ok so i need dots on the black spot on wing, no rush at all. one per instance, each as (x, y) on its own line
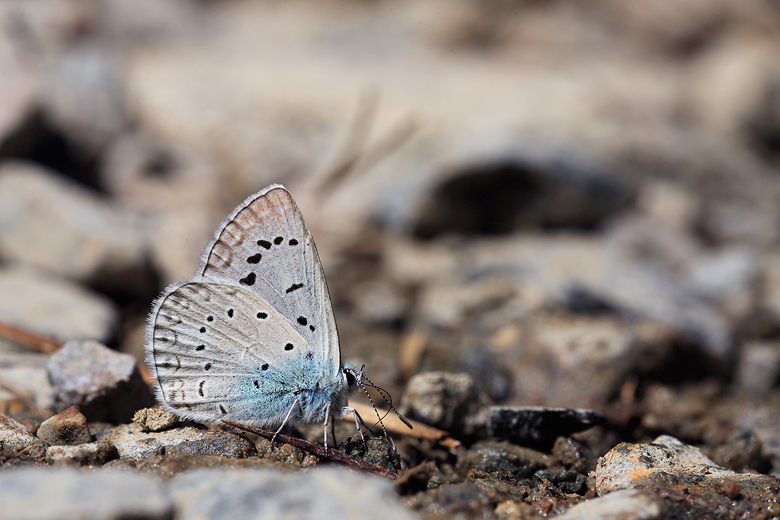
(264, 367)
(200, 388)
(230, 313)
(289, 346)
(222, 409)
(311, 328)
(302, 320)
(278, 240)
(202, 330)
(207, 366)
(200, 347)
(249, 279)
(294, 287)
(254, 258)
(264, 243)
(257, 385)
(262, 315)
(293, 242)
(210, 318)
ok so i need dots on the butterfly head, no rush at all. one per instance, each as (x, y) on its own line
(354, 376)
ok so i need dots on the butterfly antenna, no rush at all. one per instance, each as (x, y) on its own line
(389, 400)
(387, 436)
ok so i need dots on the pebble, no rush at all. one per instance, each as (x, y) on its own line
(323, 493)
(690, 483)
(17, 444)
(67, 428)
(133, 443)
(503, 457)
(154, 419)
(65, 493)
(627, 504)
(539, 426)
(89, 454)
(51, 306)
(445, 400)
(23, 374)
(104, 383)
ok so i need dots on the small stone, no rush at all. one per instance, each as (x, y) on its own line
(691, 484)
(504, 458)
(375, 450)
(444, 400)
(324, 493)
(104, 383)
(67, 428)
(628, 504)
(59, 493)
(17, 444)
(539, 426)
(133, 443)
(90, 454)
(154, 419)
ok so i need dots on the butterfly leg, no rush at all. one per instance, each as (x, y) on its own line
(358, 419)
(325, 426)
(284, 423)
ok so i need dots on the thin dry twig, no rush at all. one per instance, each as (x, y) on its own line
(317, 450)
(29, 339)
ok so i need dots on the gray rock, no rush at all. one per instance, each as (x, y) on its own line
(53, 307)
(503, 457)
(23, 374)
(628, 504)
(539, 426)
(445, 400)
(689, 482)
(322, 493)
(104, 383)
(69, 427)
(64, 493)
(154, 419)
(70, 231)
(17, 444)
(90, 454)
(758, 368)
(728, 278)
(134, 443)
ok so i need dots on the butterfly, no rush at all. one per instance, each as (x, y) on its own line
(251, 336)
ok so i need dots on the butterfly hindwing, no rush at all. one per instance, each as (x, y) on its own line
(266, 247)
(221, 352)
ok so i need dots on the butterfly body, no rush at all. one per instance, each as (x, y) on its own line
(251, 336)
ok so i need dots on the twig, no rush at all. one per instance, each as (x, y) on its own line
(317, 450)
(29, 339)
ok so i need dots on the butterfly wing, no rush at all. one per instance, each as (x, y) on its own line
(265, 246)
(218, 351)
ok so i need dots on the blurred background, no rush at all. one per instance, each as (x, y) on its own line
(576, 204)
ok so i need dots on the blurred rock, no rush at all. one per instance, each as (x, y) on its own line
(89, 454)
(84, 96)
(690, 483)
(447, 401)
(53, 307)
(503, 457)
(324, 493)
(627, 504)
(69, 427)
(54, 224)
(741, 452)
(728, 278)
(133, 443)
(105, 384)
(758, 368)
(17, 444)
(58, 493)
(19, 86)
(23, 375)
(154, 419)
(771, 285)
(539, 426)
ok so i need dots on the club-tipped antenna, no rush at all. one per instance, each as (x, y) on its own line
(389, 400)
(387, 436)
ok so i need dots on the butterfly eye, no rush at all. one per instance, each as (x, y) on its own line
(350, 377)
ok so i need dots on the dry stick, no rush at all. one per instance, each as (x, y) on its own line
(29, 339)
(317, 450)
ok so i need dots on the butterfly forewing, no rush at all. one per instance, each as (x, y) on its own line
(219, 351)
(266, 247)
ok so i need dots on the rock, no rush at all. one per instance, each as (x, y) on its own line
(154, 419)
(539, 426)
(758, 368)
(24, 376)
(742, 452)
(53, 307)
(17, 444)
(133, 443)
(67, 428)
(503, 458)
(323, 493)
(729, 278)
(89, 454)
(104, 383)
(444, 400)
(627, 504)
(83, 96)
(93, 241)
(374, 450)
(690, 483)
(58, 493)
